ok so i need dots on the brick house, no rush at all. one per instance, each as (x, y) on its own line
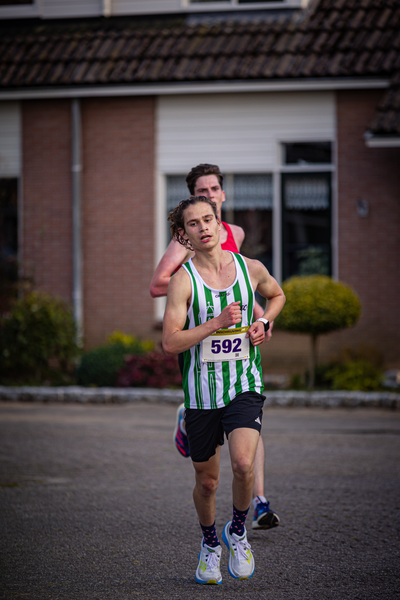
(104, 110)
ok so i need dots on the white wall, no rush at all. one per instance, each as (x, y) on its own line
(10, 135)
(238, 132)
(121, 7)
(71, 8)
(50, 9)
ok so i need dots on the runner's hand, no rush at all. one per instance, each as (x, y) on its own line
(256, 333)
(231, 315)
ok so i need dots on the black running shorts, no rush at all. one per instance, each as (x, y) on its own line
(205, 428)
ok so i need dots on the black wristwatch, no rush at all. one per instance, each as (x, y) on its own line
(266, 323)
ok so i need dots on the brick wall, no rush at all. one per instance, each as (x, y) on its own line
(118, 216)
(369, 248)
(117, 209)
(46, 195)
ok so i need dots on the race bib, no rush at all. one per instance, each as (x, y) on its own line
(226, 344)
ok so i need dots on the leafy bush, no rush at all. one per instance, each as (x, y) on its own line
(316, 305)
(38, 339)
(354, 375)
(130, 341)
(357, 369)
(100, 366)
(154, 369)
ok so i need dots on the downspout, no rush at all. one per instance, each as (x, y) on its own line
(76, 168)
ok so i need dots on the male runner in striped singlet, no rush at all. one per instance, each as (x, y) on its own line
(209, 317)
(207, 180)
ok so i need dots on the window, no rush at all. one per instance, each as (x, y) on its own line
(248, 204)
(302, 154)
(306, 211)
(177, 190)
(14, 2)
(8, 240)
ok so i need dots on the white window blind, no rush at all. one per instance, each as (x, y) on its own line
(307, 194)
(252, 192)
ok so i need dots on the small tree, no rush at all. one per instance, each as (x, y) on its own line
(316, 305)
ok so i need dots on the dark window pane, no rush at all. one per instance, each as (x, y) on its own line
(257, 225)
(315, 153)
(249, 206)
(306, 224)
(8, 240)
(14, 2)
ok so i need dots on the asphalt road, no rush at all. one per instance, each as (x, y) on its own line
(95, 503)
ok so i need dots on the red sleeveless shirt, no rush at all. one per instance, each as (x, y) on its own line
(230, 243)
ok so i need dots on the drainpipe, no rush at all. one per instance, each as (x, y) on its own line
(77, 293)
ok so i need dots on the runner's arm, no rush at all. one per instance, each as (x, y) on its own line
(174, 256)
(269, 289)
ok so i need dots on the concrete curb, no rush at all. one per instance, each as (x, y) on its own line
(288, 398)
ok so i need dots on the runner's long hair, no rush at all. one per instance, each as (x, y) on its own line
(177, 226)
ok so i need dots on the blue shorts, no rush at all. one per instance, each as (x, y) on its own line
(206, 428)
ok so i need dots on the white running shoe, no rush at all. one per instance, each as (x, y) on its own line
(241, 559)
(208, 570)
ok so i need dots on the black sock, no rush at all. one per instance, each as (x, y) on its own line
(238, 520)
(210, 535)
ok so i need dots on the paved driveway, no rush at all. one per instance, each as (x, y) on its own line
(95, 503)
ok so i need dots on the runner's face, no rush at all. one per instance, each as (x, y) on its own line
(208, 186)
(201, 226)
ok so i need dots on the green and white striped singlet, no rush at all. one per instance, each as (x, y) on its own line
(214, 384)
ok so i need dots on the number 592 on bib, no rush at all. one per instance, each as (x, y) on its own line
(226, 344)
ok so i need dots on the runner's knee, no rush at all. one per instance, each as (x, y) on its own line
(207, 484)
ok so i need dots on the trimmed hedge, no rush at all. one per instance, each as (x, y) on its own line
(317, 304)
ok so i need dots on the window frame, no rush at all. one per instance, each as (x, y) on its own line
(309, 168)
(285, 254)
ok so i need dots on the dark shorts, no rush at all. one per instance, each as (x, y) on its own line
(205, 428)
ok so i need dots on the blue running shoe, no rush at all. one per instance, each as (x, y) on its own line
(264, 517)
(180, 438)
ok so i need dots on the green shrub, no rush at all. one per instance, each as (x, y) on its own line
(355, 375)
(38, 339)
(317, 305)
(352, 370)
(100, 366)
